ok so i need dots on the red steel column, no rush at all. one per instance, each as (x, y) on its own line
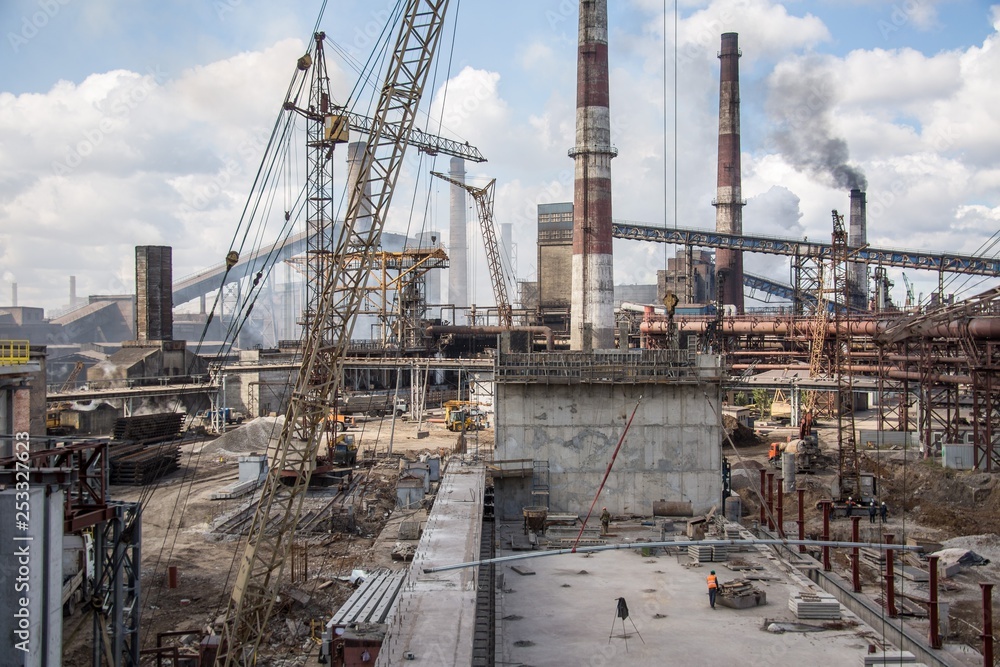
(781, 507)
(802, 519)
(770, 500)
(935, 629)
(987, 624)
(729, 194)
(592, 319)
(890, 578)
(826, 535)
(763, 519)
(856, 554)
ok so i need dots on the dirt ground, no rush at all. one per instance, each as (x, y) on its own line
(179, 528)
(956, 509)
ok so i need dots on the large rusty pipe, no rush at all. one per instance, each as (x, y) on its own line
(826, 535)
(439, 329)
(978, 327)
(781, 507)
(873, 370)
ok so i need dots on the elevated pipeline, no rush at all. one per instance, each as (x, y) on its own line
(442, 329)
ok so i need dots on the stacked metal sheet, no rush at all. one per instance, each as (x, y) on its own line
(821, 606)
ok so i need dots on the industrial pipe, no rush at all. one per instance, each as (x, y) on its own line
(440, 329)
(986, 328)
(666, 545)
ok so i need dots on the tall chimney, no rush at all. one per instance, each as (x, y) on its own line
(729, 195)
(358, 170)
(154, 298)
(592, 321)
(72, 291)
(458, 244)
(13, 295)
(857, 236)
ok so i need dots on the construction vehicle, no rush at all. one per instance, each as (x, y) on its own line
(335, 421)
(332, 310)
(806, 452)
(344, 450)
(461, 416)
(781, 407)
(373, 405)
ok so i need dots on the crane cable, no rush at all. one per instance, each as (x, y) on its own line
(607, 472)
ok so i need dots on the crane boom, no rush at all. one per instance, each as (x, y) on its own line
(328, 335)
(484, 206)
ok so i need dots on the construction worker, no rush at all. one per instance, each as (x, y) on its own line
(885, 512)
(605, 520)
(713, 587)
(872, 511)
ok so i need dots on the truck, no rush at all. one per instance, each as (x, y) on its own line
(806, 452)
(227, 415)
(373, 405)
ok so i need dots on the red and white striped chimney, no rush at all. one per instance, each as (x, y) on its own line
(729, 196)
(592, 319)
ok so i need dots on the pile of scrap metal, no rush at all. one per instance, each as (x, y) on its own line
(740, 594)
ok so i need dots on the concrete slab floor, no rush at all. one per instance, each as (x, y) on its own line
(564, 613)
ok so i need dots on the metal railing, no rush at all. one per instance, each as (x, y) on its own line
(14, 352)
(633, 366)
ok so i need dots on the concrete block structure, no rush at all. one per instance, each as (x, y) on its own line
(562, 414)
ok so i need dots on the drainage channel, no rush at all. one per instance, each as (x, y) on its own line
(484, 641)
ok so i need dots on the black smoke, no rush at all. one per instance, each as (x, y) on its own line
(801, 99)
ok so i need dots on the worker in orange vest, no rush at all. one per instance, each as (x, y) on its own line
(713, 587)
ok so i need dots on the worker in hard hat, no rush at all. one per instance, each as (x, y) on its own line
(605, 520)
(713, 587)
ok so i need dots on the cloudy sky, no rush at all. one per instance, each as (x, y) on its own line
(125, 123)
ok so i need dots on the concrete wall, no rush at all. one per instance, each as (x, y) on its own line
(672, 451)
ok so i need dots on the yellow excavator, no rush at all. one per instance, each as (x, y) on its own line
(458, 417)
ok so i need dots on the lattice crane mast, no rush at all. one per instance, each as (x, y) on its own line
(328, 335)
(484, 206)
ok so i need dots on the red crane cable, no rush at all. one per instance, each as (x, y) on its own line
(606, 473)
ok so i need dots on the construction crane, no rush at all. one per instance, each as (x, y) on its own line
(909, 292)
(328, 335)
(71, 380)
(484, 206)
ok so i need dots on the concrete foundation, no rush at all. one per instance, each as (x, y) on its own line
(672, 451)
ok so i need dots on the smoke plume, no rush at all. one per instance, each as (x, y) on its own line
(801, 98)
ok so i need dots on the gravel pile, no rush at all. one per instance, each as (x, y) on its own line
(252, 437)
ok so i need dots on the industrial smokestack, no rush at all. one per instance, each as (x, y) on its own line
(729, 195)
(357, 170)
(857, 236)
(13, 295)
(592, 323)
(72, 291)
(154, 297)
(458, 244)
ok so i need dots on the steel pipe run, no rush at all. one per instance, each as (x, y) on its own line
(935, 629)
(826, 535)
(987, 634)
(983, 328)
(781, 507)
(890, 577)
(458, 330)
(856, 554)
(770, 501)
(802, 519)
(649, 545)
